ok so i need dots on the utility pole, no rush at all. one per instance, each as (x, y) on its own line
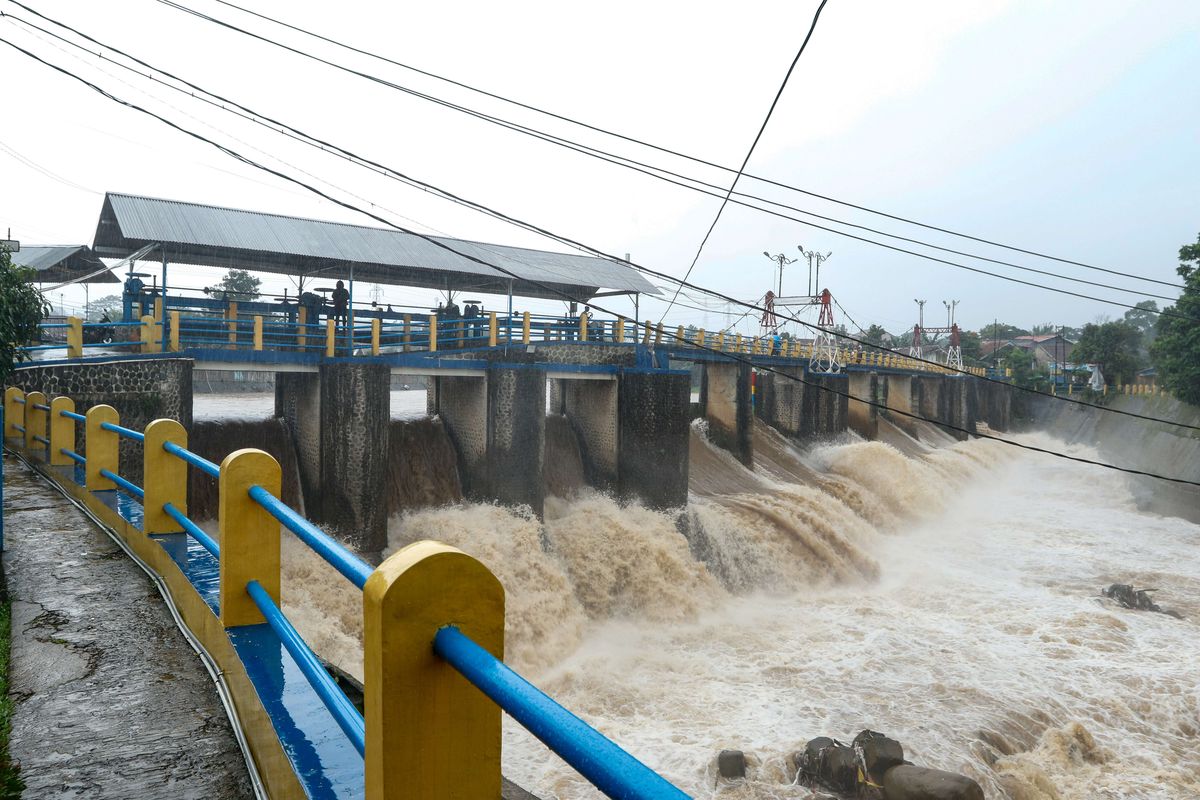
(814, 260)
(782, 261)
(915, 348)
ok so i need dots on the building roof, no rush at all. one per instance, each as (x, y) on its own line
(56, 263)
(1041, 337)
(214, 236)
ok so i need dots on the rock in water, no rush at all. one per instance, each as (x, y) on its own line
(906, 782)
(731, 764)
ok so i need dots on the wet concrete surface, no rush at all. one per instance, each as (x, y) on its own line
(110, 699)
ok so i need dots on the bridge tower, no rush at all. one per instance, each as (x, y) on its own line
(825, 349)
(914, 349)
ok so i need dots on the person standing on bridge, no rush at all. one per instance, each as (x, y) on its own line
(341, 304)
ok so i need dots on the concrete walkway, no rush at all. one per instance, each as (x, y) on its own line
(110, 700)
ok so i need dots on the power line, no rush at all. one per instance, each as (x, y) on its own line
(438, 243)
(654, 172)
(389, 172)
(676, 153)
(761, 129)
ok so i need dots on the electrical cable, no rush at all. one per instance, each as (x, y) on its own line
(676, 153)
(761, 129)
(584, 248)
(654, 172)
(437, 243)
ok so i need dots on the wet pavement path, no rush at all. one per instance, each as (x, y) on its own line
(110, 699)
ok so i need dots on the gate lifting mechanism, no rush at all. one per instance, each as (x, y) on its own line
(953, 349)
(825, 350)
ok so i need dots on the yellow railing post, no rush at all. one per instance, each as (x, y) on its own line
(646, 337)
(149, 339)
(433, 321)
(376, 330)
(525, 327)
(231, 314)
(137, 309)
(62, 431)
(737, 343)
(679, 335)
(619, 331)
(158, 308)
(102, 447)
(407, 332)
(302, 321)
(14, 412)
(330, 338)
(258, 332)
(164, 476)
(74, 337)
(583, 326)
(430, 734)
(493, 330)
(35, 421)
(175, 332)
(658, 332)
(249, 535)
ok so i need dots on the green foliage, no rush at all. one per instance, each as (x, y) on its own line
(1001, 331)
(112, 303)
(1025, 371)
(1176, 350)
(875, 335)
(238, 285)
(22, 308)
(972, 346)
(1112, 345)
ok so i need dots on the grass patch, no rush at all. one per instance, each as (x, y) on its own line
(11, 784)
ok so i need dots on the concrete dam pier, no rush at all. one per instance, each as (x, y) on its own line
(629, 407)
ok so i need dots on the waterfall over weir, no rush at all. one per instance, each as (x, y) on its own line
(943, 592)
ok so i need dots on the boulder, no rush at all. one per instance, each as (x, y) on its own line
(906, 782)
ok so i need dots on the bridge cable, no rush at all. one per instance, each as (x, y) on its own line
(551, 289)
(672, 152)
(761, 129)
(700, 185)
(389, 172)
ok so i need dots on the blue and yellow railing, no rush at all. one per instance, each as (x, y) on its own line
(433, 618)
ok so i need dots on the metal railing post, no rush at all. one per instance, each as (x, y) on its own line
(35, 422)
(433, 333)
(164, 476)
(62, 431)
(176, 325)
(430, 734)
(74, 337)
(14, 412)
(249, 535)
(258, 332)
(102, 447)
(330, 337)
(376, 329)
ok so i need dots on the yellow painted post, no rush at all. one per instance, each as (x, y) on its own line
(525, 327)
(14, 412)
(737, 344)
(249, 535)
(407, 332)
(658, 332)
(102, 447)
(721, 341)
(700, 338)
(175, 322)
(430, 734)
(646, 337)
(619, 331)
(35, 421)
(231, 314)
(302, 321)
(433, 320)
(165, 477)
(62, 431)
(137, 310)
(583, 326)
(493, 330)
(330, 338)
(679, 336)
(258, 332)
(147, 333)
(158, 308)
(74, 337)
(376, 331)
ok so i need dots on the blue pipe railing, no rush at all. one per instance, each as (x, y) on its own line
(41, 406)
(344, 713)
(41, 439)
(351, 566)
(131, 488)
(203, 464)
(72, 415)
(611, 769)
(194, 530)
(71, 454)
(121, 431)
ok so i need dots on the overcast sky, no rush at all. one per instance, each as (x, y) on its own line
(1068, 127)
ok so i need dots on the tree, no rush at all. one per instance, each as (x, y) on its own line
(22, 308)
(1176, 350)
(1001, 331)
(875, 334)
(1024, 368)
(1113, 346)
(1144, 317)
(972, 346)
(110, 303)
(237, 285)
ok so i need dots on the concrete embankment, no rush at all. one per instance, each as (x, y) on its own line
(110, 700)
(1139, 444)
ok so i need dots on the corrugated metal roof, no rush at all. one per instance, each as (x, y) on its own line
(62, 262)
(227, 237)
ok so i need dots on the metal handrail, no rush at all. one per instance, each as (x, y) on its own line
(192, 528)
(351, 566)
(122, 431)
(344, 713)
(72, 415)
(131, 488)
(41, 439)
(71, 454)
(597, 758)
(41, 406)
(199, 462)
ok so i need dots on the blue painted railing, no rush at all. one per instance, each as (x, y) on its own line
(128, 486)
(351, 566)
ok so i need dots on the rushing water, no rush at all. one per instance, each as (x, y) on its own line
(250, 406)
(945, 593)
